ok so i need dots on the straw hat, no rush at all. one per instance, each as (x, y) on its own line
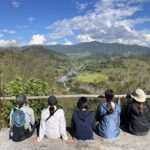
(138, 95)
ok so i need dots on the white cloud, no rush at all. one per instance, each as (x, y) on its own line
(37, 40)
(15, 3)
(8, 31)
(84, 38)
(31, 19)
(60, 30)
(81, 6)
(51, 43)
(108, 22)
(67, 42)
(8, 43)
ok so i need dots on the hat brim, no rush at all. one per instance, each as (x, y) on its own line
(138, 99)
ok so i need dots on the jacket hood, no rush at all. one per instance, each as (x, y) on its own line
(84, 115)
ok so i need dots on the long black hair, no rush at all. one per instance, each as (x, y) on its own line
(52, 101)
(109, 95)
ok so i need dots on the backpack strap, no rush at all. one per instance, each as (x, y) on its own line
(50, 115)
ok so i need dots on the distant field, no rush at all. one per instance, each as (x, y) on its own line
(88, 77)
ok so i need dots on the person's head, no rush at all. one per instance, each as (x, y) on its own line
(52, 102)
(139, 96)
(20, 99)
(82, 103)
(109, 95)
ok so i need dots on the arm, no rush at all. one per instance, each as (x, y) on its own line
(72, 124)
(10, 118)
(100, 113)
(32, 117)
(42, 128)
(97, 117)
(93, 123)
(62, 127)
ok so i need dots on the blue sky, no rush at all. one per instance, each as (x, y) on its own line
(28, 22)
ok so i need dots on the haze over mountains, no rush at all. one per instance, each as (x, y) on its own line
(89, 48)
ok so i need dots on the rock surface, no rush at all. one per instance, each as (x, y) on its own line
(124, 141)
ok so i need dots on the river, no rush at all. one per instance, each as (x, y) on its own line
(63, 79)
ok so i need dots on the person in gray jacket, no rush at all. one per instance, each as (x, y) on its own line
(138, 121)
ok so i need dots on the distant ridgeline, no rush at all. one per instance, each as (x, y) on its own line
(92, 48)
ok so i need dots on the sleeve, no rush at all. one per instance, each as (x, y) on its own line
(32, 117)
(42, 129)
(101, 111)
(97, 117)
(10, 118)
(62, 127)
(73, 124)
(93, 123)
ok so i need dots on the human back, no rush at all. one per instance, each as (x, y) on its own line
(21, 120)
(83, 121)
(53, 124)
(138, 121)
(108, 116)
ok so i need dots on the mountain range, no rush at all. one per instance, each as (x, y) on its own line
(96, 49)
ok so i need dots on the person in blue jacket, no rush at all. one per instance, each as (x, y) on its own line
(108, 115)
(83, 121)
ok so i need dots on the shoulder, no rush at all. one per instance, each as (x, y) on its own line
(60, 111)
(45, 111)
(27, 109)
(103, 106)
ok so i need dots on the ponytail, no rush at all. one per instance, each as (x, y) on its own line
(109, 95)
(110, 107)
(51, 110)
(20, 105)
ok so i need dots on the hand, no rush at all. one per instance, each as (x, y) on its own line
(34, 141)
(69, 141)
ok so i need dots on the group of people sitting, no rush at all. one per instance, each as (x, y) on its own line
(106, 122)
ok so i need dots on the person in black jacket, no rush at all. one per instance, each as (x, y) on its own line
(138, 122)
(83, 121)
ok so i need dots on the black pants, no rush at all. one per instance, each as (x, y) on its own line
(18, 134)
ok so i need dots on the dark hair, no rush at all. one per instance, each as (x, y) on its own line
(82, 103)
(20, 105)
(109, 95)
(140, 105)
(51, 110)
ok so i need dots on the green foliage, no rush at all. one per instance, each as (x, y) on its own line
(14, 87)
(32, 87)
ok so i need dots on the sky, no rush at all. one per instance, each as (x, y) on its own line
(50, 22)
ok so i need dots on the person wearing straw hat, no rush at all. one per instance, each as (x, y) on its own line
(138, 122)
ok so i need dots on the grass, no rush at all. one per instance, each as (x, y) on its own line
(88, 77)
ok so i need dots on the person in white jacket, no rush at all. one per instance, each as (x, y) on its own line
(53, 124)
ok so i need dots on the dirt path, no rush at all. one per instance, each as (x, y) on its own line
(124, 142)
